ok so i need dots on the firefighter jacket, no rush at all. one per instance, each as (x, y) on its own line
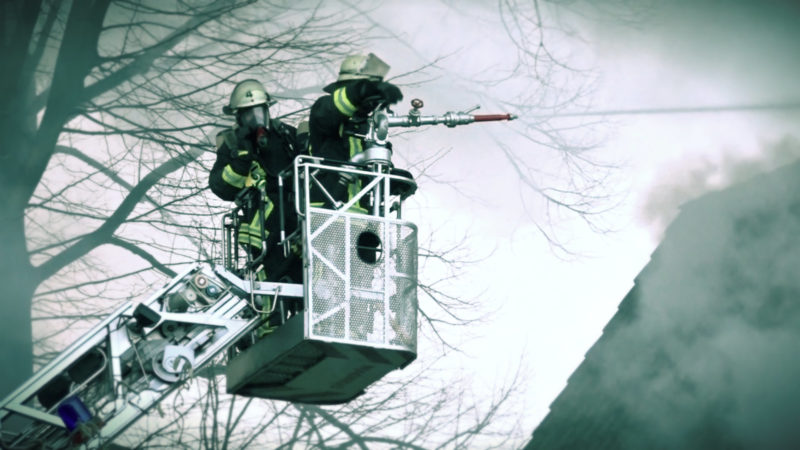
(335, 122)
(240, 165)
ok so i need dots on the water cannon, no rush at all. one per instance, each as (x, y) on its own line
(377, 151)
(449, 119)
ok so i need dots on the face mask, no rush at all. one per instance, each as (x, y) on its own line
(253, 118)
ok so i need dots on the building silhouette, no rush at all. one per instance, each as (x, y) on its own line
(704, 351)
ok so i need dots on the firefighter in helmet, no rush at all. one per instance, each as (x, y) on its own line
(250, 155)
(337, 120)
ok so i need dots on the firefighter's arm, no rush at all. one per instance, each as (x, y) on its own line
(345, 101)
(365, 95)
(325, 117)
(231, 169)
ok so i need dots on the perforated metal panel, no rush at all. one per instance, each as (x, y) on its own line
(362, 279)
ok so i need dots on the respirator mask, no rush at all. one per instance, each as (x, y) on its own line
(256, 121)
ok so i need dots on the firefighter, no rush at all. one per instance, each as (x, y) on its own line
(250, 155)
(339, 117)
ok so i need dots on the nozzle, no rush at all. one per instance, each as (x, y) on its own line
(493, 117)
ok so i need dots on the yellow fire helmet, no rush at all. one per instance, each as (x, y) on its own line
(247, 93)
(359, 67)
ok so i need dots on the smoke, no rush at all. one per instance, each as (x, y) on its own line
(710, 357)
(691, 179)
(686, 56)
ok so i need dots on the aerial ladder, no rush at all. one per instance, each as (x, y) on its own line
(351, 321)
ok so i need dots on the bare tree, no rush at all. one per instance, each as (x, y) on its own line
(110, 121)
(105, 100)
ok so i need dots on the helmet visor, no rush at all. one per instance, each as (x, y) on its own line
(254, 117)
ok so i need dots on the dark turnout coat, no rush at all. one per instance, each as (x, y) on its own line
(233, 173)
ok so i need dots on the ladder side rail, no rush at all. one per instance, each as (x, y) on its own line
(91, 338)
(129, 405)
(141, 403)
(243, 287)
(221, 317)
(60, 363)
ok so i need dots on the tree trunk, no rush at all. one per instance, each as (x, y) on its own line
(19, 281)
(17, 128)
(24, 153)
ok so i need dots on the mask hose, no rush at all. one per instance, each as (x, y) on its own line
(261, 137)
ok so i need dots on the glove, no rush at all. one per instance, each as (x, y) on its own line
(390, 93)
(368, 94)
(242, 155)
(245, 140)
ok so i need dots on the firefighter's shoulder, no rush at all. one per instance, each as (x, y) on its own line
(226, 136)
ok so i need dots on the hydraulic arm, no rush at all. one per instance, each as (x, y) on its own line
(125, 365)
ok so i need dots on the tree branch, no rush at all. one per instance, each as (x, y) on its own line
(139, 251)
(103, 234)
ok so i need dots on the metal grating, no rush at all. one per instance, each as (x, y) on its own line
(360, 267)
